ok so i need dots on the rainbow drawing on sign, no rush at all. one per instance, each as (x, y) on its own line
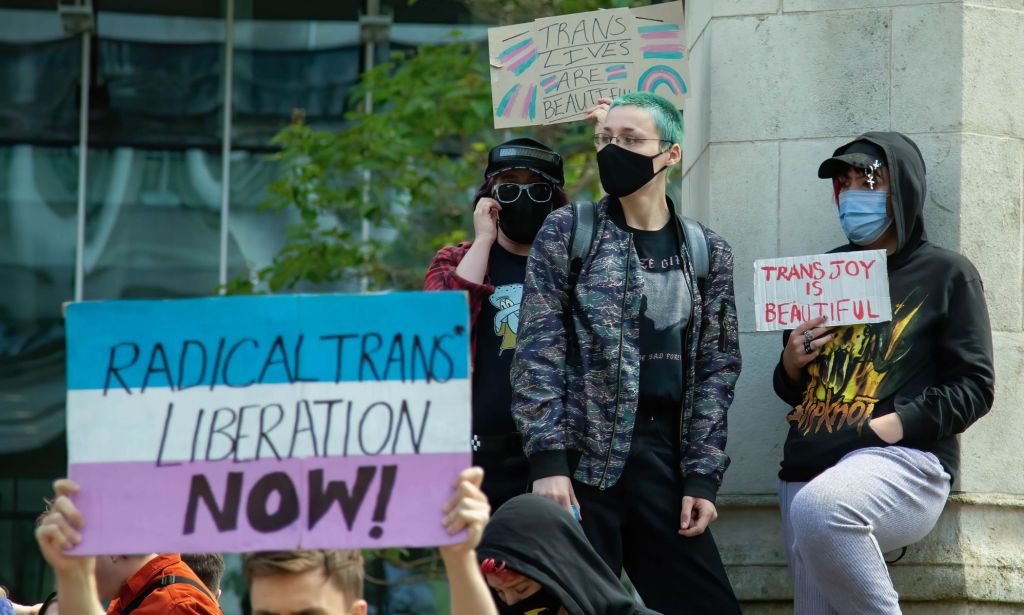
(670, 30)
(519, 56)
(667, 52)
(661, 75)
(530, 103)
(508, 103)
(550, 84)
(618, 71)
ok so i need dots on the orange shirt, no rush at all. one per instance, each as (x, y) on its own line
(177, 598)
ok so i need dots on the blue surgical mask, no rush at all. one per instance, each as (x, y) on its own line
(863, 215)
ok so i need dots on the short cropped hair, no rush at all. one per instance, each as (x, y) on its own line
(344, 567)
(667, 118)
(209, 567)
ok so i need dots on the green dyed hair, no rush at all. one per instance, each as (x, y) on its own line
(667, 118)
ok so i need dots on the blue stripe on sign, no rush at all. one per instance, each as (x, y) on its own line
(245, 341)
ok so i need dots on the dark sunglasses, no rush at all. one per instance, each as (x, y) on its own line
(539, 192)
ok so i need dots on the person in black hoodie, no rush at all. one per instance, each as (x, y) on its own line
(537, 561)
(872, 448)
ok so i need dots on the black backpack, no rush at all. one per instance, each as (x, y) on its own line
(583, 226)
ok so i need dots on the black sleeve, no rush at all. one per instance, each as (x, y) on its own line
(966, 384)
(787, 390)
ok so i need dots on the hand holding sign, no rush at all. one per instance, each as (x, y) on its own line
(467, 510)
(804, 345)
(60, 530)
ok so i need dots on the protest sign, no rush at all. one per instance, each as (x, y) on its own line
(233, 424)
(847, 288)
(552, 69)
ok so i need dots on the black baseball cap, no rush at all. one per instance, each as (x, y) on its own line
(860, 154)
(526, 154)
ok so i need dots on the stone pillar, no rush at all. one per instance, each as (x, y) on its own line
(775, 86)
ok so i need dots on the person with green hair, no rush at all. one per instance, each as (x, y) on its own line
(626, 363)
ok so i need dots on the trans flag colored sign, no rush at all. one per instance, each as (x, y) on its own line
(246, 423)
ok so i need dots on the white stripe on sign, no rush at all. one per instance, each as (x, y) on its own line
(283, 421)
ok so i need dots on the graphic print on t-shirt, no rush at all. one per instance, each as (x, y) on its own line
(846, 380)
(506, 298)
(664, 315)
(663, 292)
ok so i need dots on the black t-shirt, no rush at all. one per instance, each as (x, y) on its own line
(664, 315)
(496, 343)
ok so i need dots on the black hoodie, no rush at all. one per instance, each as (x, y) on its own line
(540, 540)
(932, 364)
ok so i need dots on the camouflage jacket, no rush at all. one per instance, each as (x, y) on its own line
(591, 406)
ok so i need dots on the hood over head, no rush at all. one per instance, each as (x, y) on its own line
(537, 538)
(908, 186)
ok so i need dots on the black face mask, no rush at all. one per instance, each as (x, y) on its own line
(541, 603)
(624, 172)
(521, 219)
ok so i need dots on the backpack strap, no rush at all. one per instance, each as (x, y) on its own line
(584, 228)
(697, 245)
(163, 582)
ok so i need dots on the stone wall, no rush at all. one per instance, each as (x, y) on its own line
(775, 86)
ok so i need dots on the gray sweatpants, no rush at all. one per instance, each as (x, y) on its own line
(838, 525)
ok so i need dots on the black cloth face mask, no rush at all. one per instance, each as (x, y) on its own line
(541, 603)
(624, 172)
(521, 219)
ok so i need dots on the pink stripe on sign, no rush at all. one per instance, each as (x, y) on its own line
(524, 59)
(656, 35)
(663, 48)
(137, 507)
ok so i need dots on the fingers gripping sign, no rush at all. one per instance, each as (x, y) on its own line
(61, 530)
(598, 112)
(467, 509)
(804, 345)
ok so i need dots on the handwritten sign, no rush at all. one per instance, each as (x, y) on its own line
(240, 423)
(847, 288)
(553, 69)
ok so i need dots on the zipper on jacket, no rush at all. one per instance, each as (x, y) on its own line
(687, 340)
(618, 373)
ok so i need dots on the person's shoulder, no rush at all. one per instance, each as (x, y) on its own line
(952, 265)
(718, 246)
(181, 598)
(184, 596)
(714, 239)
(557, 225)
(562, 217)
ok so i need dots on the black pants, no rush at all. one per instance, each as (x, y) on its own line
(506, 475)
(635, 523)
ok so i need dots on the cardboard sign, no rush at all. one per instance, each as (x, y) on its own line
(847, 288)
(553, 69)
(235, 424)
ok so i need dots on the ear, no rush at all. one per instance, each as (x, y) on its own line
(675, 154)
(358, 608)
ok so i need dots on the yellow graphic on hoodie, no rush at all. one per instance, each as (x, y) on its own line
(846, 378)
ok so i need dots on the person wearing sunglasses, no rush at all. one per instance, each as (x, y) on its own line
(522, 185)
